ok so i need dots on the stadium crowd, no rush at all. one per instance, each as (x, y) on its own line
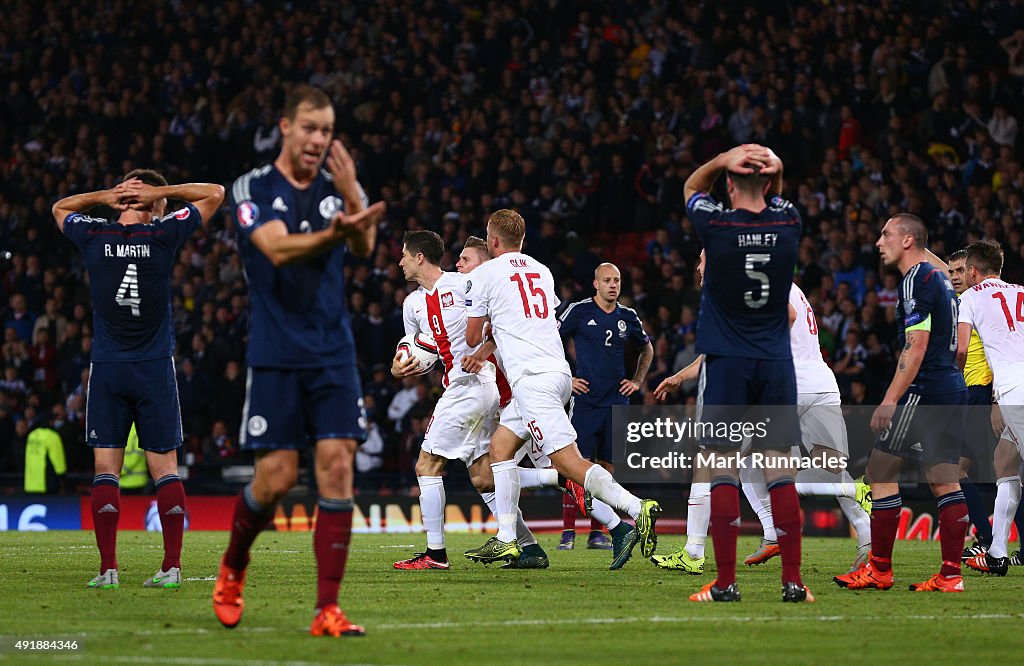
(586, 117)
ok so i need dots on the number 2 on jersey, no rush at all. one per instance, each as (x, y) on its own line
(541, 310)
(1006, 309)
(128, 293)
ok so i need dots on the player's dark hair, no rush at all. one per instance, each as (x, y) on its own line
(148, 176)
(912, 225)
(427, 243)
(749, 183)
(304, 94)
(959, 255)
(986, 256)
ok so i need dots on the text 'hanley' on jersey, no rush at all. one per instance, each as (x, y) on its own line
(299, 313)
(130, 281)
(750, 262)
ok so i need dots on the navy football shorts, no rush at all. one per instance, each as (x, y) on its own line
(927, 427)
(295, 408)
(123, 392)
(742, 399)
(979, 440)
(593, 425)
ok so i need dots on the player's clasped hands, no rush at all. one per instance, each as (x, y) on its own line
(357, 223)
(750, 156)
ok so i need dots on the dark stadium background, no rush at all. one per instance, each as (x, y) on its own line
(585, 116)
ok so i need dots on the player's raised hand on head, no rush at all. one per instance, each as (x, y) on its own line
(667, 385)
(628, 387)
(746, 158)
(580, 386)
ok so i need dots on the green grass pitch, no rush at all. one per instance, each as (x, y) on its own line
(577, 611)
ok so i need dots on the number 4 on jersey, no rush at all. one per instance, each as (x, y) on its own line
(128, 292)
(1006, 309)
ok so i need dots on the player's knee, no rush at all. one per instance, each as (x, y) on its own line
(339, 467)
(482, 483)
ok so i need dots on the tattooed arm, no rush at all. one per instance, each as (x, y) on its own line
(906, 372)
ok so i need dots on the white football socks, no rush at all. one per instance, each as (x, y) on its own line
(1007, 499)
(823, 482)
(432, 502)
(599, 483)
(537, 478)
(698, 517)
(506, 491)
(756, 491)
(604, 514)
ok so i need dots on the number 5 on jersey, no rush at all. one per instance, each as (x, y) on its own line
(128, 293)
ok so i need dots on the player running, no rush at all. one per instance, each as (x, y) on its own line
(131, 378)
(994, 309)
(296, 224)
(927, 376)
(466, 416)
(517, 294)
(743, 332)
(978, 434)
(600, 327)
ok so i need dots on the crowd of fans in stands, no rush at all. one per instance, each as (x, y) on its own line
(585, 116)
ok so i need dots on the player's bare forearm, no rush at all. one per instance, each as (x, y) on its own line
(703, 179)
(362, 244)
(908, 366)
(936, 261)
(963, 342)
(281, 247)
(691, 371)
(78, 203)
(475, 330)
(206, 197)
(643, 363)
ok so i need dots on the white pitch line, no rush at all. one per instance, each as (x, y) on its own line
(184, 661)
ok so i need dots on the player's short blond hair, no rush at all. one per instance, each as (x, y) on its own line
(509, 226)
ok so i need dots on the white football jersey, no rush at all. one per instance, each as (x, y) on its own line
(518, 293)
(441, 313)
(812, 373)
(996, 310)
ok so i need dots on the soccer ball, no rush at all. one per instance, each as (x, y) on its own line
(421, 347)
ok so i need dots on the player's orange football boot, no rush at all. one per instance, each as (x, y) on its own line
(227, 595)
(766, 551)
(711, 592)
(940, 583)
(865, 578)
(331, 621)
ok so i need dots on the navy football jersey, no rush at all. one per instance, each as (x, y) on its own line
(744, 305)
(299, 313)
(600, 347)
(130, 281)
(928, 301)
